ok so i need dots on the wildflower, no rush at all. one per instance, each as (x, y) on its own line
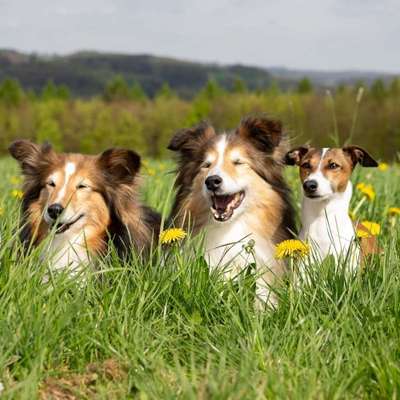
(368, 228)
(172, 235)
(383, 166)
(367, 190)
(394, 211)
(292, 248)
(151, 171)
(17, 194)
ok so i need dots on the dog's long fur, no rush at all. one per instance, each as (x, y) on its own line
(252, 161)
(108, 199)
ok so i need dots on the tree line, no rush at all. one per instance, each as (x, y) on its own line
(123, 115)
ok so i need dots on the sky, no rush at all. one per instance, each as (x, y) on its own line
(307, 34)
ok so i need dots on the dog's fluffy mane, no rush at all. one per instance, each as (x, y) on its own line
(267, 146)
(115, 172)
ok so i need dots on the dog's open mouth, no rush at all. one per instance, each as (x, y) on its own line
(62, 227)
(224, 205)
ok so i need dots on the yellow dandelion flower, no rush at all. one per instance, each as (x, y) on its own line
(172, 235)
(368, 228)
(394, 211)
(15, 180)
(292, 248)
(367, 190)
(383, 166)
(17, 194)
(151, 171)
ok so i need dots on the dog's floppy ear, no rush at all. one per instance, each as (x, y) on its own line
(30, 155)
(119, 165)
(294, 156)
(359, 155)
(263, 132)
(189, 140)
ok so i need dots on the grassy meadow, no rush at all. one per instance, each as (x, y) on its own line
(171, 329)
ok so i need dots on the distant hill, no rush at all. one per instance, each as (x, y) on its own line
(86, 73)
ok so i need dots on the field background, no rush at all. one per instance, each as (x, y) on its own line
(123, 114)
(172, 330)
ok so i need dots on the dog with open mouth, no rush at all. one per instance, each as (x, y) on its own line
(85, 201)
(327, 190)
(231, 186)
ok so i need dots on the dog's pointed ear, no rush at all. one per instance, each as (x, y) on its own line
(186, 141)
(120, 165)
(29, 155)
(265, 133)
(294, 156)
(361, 156)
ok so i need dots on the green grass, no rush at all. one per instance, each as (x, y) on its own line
(178, 332)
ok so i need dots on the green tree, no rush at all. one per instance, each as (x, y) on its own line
(212, 90)
(304, 86)
(239, 85)
(165, 92)
(394, 88)
(63, 92)
(49, 91)
(116, 90)
(274, 89)
(11, 93)
(378, 89)
(137, 92)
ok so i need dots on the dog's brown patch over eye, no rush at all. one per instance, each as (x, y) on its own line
(309, 163)
(337, 167)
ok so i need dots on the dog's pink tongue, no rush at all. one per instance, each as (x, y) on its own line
(221, 202)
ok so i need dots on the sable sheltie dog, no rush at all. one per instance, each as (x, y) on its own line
(84, 200)
(231, 185)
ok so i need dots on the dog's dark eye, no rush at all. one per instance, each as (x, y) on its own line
(82, 186)
(206, 164)
(237, 162)
(306, 165)
(333, 165)
(51, 184)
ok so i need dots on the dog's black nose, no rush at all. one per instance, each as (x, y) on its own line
(55, 210)
(213, 182)
(310, 186)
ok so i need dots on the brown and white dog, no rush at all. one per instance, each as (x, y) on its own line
(231, 185)
(84, 200)
(327, 190)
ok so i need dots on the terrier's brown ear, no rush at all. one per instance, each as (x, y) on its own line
(265, 133)
(294, 156)
(119, 165)
(361, 156)
(30, 155)
(187, 141)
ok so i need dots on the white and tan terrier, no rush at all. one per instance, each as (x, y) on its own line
(327, 190)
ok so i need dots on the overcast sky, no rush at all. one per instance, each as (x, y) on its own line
(307, 34)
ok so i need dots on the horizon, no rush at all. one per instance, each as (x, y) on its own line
(198, 61)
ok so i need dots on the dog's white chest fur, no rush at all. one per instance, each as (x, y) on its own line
(226, 250)
(68, 251)
(225, 243)
(327, 226)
